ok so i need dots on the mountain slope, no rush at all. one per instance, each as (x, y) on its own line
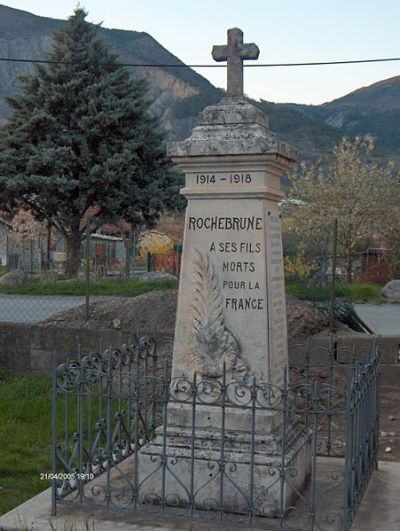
(373, 110)
(27, 36)
(311, 136)
(179, 94)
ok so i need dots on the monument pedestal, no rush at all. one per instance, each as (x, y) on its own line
(220, 448)
(237, 469)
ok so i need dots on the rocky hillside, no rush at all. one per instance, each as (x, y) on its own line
(373, 110)
(179, 94)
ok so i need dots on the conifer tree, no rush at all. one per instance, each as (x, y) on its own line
(81, 138)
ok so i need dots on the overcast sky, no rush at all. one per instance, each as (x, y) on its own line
(284, 30)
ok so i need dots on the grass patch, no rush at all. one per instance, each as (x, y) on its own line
(126, 287)
(25, 438)
(25, 432)
(356, 292)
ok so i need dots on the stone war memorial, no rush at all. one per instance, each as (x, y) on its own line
(226, 427)
(231, 320)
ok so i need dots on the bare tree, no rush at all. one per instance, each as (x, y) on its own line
(347, 185)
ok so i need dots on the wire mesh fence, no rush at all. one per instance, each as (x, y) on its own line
(39, 291)
(34, 308)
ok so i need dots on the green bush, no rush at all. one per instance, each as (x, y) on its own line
(357, 292)
(127, 287)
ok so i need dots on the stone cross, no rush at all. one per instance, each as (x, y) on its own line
(235, 52)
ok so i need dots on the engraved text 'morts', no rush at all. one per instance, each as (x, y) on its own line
(238, 267)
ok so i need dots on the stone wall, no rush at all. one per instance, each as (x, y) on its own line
(25, 348)
(359, 343)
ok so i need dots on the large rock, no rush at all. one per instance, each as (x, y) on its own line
(155, 276)
(391, 290)
(12, 279)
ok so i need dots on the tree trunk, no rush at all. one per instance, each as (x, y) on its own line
(128, 257)
(349, 266)
(129, 240)
(73, 252)
(48, 248)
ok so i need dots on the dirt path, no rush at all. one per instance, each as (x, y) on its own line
(390, 423)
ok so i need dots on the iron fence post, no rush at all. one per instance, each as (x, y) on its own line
(164, 441)
(252, 450)
(89, 422)
(109, 425)
(314, 440)
(350, 464)
(192, 443)
(221, 462)
(54, 436)
(136, 389)
(285, 423)
(377, 396)
(80, 425)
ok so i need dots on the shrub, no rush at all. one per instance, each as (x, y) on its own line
(378, 272)
(155, 243)
(298, 267)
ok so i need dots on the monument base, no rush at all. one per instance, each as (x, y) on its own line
(237, 472)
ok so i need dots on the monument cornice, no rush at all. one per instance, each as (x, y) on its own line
(232, 127)
(252, 161)
(237, 142)
(262, 192)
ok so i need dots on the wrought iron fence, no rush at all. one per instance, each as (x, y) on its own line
(129, 436)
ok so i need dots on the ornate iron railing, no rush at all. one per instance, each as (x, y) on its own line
(127, 435)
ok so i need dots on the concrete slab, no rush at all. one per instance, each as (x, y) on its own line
(379, 510)
(383, 319)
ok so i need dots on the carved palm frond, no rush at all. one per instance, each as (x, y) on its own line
(212, 343)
